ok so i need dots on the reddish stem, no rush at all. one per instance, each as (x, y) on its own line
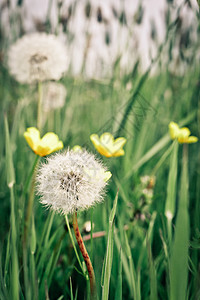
(85, 256)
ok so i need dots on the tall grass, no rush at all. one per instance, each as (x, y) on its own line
(142, 246)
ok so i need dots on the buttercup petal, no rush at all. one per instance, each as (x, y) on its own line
(107, 146)
(187, 140)
(119, 143)
(192, 139)
(118, 153)
(99, 146)
(107, 139)
(49, 139)
(42, 147)
(174, 130)
(95, 139)
(184, 132)
(107, 175)
(32, 136)
(77, 148)
(104, 151)
(58, 146)
(43, 150)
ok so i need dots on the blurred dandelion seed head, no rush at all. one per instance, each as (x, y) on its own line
(87, 226)
(54, 95)
(37, 57)
(65, 186)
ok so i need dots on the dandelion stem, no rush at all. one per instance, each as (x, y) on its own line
(85, 257)
(71, 237)
(91, 236)
(39, 108)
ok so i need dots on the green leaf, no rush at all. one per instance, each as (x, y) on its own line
(124, 264)
(179, 257)
(152, 274)
(171, 188)
(118, 292)
(109, 252)
(9, 159)
(33, 237)
(132, 270)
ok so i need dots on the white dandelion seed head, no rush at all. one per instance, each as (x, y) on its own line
(71, 181)
(54, 95)
(37, 57)
(145, 179)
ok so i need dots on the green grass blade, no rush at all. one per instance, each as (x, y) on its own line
(132, 270)
(150, 237)
(10, 181)
(179, 258)
(46, 251)
(146, 157)
(157, 147)
(45, 234)
(171, 189)
(109, 252)
(118, 292)
(50, 267)
(124, 264)
(152, 274)
(9, 159)
(132, 101)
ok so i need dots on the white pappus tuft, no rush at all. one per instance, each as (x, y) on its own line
(71, 181)
(37, 57)
(54, 95)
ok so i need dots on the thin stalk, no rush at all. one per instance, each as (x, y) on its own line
(72, 240)
(14, 279)
(162, 160)
(29, 207)
(39, 108)
(85, 257)
(30, 175)
(91, 236)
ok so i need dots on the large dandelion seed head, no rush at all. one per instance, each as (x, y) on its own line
(37, 57)
(54, 95)
(71, 181)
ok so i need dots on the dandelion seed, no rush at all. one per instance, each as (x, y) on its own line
(71, 181)
(37, 57)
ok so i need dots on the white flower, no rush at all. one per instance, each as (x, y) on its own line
(54, 95)
(65, 186)
(37, 57)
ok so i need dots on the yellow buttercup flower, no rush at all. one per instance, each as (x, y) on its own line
(181, 134)
(77, 148)
(42, 146)
(106, 145)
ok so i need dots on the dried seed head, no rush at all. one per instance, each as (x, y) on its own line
(71, 181)
(54, 95)
(37, 57)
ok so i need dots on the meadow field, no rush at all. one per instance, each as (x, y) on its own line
(143, 233)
